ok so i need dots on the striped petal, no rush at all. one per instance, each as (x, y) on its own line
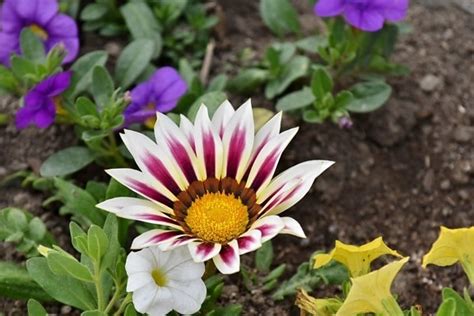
(250, 241)
(188, 129)
(203, 251)
(292, 227)
(222, 116)
(238, 142)
(269, 226)
(178, 242)
(140, 210)
(172, 139)
(290, 186)
(155, 237)
(264, 134)
(228, 259)
(142, 184)
(266, 162)
(208, 145)
(153, 160)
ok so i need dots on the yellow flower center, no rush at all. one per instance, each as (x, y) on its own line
(150, 122)
(159, 277)
(39, 31)
(217, 217)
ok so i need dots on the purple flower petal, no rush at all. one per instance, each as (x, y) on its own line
(394, 10)
(8, 45)
(45, 117)
(10, 21)
(329, 7)
(38, 12)
(38, 110)
(54, 85)
(367, 19)
(168, 86)
(62, 26)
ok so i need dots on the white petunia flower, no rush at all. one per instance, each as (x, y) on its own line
(165, 281)
(211, 186)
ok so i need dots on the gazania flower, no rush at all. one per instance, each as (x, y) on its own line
(40, 102)
(210, 185)
(367, 15)
(44, 19)
(165, 281)
(160, 93)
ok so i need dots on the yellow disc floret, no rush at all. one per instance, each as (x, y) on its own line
(217, 217)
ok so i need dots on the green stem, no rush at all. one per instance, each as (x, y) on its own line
(98, 287)
(124, 304)
(115, 297)
(115, 152)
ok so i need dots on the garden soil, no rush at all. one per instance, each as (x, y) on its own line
(400, 172)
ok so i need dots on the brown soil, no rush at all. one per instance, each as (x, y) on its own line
(401, 172)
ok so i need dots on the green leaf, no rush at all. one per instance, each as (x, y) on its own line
(275, 273)
(212, 100)
(82, 71)
(22, 67)
(130, 311)
(35, 308)
(97, 242)
(264, 257)
(321, 83)
(17, 284)
(369, 96)
(312, 44)
(102, 86)
(31, 46)
(116, 189)
(66, 161)
(62, 288)
(342, 99)
(133, 61)
(36, 229)
(141, 22)
(93, 11)
(77, 232)
(63, 265)
(8, 81)
(447, 308)
(280, 16)
(296, 100)
(93, 313)
(78, 202)
(218, 83)
(462, 307)
(294, 69)
(248, 80)
(111, 231)
(85, 106)
(229, 310)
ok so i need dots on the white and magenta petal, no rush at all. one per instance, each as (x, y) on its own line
(153, 160)
(292, 227)
(188, 129)
(265, 164)
(264, 134)
(172, 139)
(155, 237)
(208, 145)
(228, 259)
(178, 242)
(250, 241)
(140, 210)
(269, 226)
(238, 142)
(203, 251)
(222, 116)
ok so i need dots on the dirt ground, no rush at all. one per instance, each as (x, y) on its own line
(400, 172)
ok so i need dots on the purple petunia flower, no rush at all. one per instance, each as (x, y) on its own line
(367, 15)
(160, 93)
(40, 102)
(44, 19)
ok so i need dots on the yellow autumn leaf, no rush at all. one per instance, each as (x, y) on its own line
(357, 259)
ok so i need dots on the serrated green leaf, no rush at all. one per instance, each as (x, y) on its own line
(296, 100)
(133, 61)
(280, 16)
(66, 161)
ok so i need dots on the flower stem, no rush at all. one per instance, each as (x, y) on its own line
(124, 304)
(98, 287)
(115, 297)
(115, 152)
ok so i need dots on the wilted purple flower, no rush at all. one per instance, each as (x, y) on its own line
(367, 15)
(40, 102)
(345, 122)
(44, 19)
(160, 93)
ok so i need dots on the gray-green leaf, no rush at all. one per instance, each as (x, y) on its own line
(296, 100)
(369, 96)
(280, 16)
(66, 161)
(133, 61)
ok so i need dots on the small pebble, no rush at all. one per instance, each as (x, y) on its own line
(430, 82)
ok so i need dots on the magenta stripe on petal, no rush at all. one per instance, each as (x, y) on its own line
(265, 171)
(204, 249)
(266, 229)
(209, 154)
(236, 148)
(164, 236)
(157, 218)
(227, 254)
(246, 242)
(182, 158)
(150, 192)
(161, 173)
(180, 240)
